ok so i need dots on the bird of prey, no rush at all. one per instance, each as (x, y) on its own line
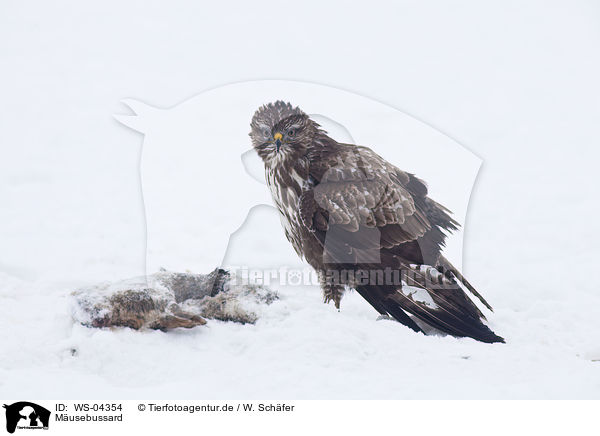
(364, 224)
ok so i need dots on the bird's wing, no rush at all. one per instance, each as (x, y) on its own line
(357, 191)
(357, 188)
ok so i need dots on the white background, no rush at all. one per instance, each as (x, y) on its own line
(514, 82)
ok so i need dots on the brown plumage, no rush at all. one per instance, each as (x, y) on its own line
(362, 223)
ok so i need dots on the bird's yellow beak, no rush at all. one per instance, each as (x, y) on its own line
(277, 136)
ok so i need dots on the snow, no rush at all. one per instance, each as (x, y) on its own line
(515, 83)
(419, 294)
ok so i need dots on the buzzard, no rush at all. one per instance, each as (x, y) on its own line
(364, 224)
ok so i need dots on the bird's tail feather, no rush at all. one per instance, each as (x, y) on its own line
(447, 266)
(442, 304)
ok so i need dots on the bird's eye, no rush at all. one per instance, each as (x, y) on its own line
(266, 132)
(291, 133)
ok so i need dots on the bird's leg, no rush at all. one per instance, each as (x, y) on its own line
(332, 291)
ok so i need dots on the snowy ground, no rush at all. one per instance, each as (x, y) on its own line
(515, 83)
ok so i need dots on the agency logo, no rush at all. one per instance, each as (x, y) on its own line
(26, 415)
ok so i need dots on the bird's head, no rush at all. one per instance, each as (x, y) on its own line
(281, 131)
